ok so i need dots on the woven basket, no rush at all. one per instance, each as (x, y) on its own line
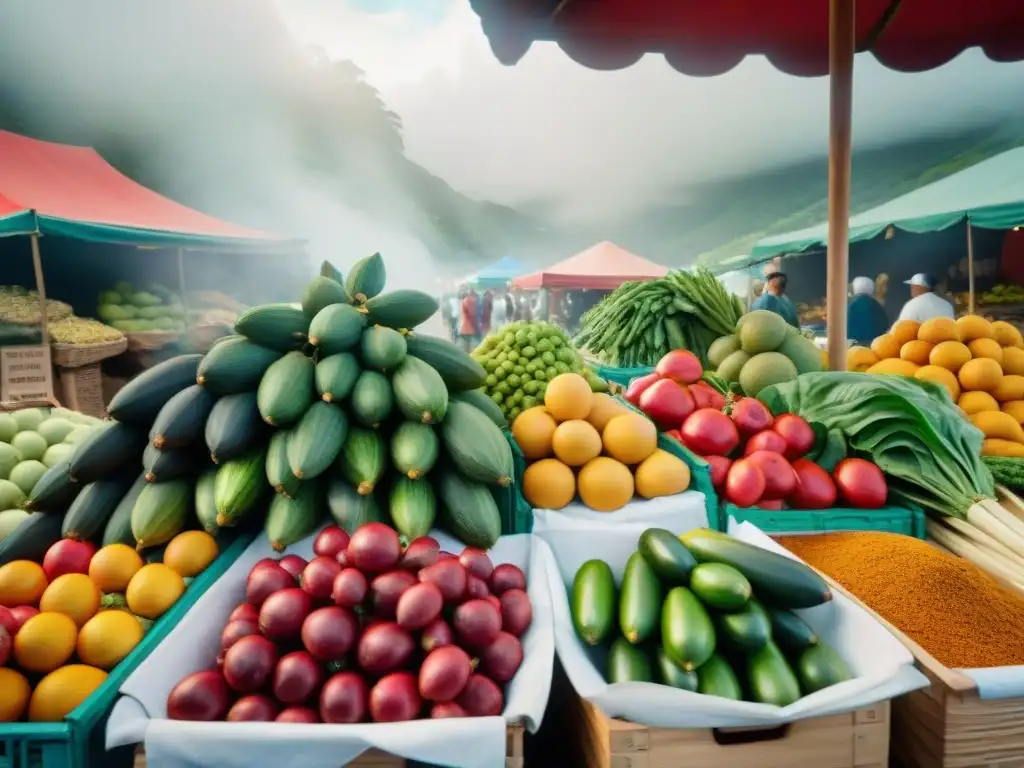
(143, 341)
(77, 355)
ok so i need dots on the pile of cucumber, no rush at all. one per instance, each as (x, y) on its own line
(708, 613)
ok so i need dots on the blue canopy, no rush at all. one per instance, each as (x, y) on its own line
(499, 273)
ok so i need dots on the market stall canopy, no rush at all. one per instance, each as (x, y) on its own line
(708, 38)
(604, 266)
(55, 189)
(989, 194)
(499, 273)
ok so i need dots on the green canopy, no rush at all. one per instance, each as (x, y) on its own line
(990, 195)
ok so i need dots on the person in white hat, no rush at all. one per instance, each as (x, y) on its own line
(924, 303)
(865, 317)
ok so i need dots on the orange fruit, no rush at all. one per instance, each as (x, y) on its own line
(568, 396)
(904, 331)
(107, 638)
(113, 567)
(190, 553)
(74, 595)
(986, 348)
(916, 352)
(950, 355)
(576, 442)
(603, 408)
(45, 642)
(941, 376)
(938, 330)
(21, 583)
(630, 438)
(605, 484)
(549, 484)
(533, 431)
(885, 347)
(14, 695)
(153, 590)
(62, 691)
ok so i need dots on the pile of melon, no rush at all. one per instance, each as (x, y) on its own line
(588, 444)
(980, 363)
(31, 441)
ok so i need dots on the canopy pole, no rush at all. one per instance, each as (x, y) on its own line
(842, 45)
(37, 267)
(970, 268)
(181, 282)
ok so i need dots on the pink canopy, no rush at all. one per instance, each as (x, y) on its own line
(604, 266)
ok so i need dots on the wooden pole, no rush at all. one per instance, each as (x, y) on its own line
(842, 45)
(37, 267)
(970, 268)
(181, 282)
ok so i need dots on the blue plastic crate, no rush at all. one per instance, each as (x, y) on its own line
(80, 741)
(621, 376)
(909, 521)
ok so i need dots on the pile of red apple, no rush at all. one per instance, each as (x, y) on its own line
(756, 460)
(365, 632)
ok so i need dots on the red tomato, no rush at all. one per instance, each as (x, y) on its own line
(861, 484)
(797, 433)
(680, 365)
(814, 487)
(666, 403)
(638, 385)
(779, 478)
(751, 416)
(766, 441)
(709, 432)
(702, 395)
(719, 469)
(744, 484)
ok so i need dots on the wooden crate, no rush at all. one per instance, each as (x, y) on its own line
(857, 739)
(374, 758)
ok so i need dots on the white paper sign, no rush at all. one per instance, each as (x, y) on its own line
(26, 373)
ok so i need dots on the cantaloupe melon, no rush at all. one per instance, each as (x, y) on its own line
(1013, 361)
(568, 397)
(904, 331)
(1015, 408)
(886, 346)
(950, 355)
(721, 348)
(983, 374)
(976, 402)
(533, 430)
(762, 331)
(54, 430)
(1007, 334)
(576, 442)
(974, 327)
(938, 330)
(1009, 388)
(661, 474)
(916, 352)
(940, 376)
(605, 484)
(986, 348)
(859, 359)
(730, 368)
(764, 370)
(630, 438)
(803, 352)
(549, 484)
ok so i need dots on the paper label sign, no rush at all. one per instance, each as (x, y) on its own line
(25, 373)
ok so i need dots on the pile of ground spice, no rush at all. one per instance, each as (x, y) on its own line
(952, 609)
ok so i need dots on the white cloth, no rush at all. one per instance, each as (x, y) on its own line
(925, 307)
(498, 314)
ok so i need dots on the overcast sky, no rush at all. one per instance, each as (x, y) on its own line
(549, 126)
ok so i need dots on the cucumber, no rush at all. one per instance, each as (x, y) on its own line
(238, 486)
(279, 471)
(292, 520)
(33, 536)
(747, 629)
(382, 349)
(593, 601)
(160, 512)
(639, 601)
(336, 376)
(336, 328)
(182, 419)
(420, 392)
(141, 399)
(667, 556)
(459, 371)
(92, 508)
(235, 365)
(349, 509)
(775, 579)
(671, 674)
(171, 464)
(627, 664)
(477, 448)
(113, 447)
(770, 679)
(280, 327)
(206, 502)
(54, 491)
(720, 586)
(405, 308)
(363, 459)
(315, 442)
(320, 292)
(414, 449)
(234, 427)
(687, 633)
(470, 512)
(716, 678)
(483, 403)
(366, 278)
(372, 399)
(118, 529)
(791, 633)
(413, 507)
(286, 390)
(819, 666)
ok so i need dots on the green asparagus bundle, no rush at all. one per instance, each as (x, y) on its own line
(639, 322)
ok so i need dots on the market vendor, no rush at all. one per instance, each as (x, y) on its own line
(924, 303)
(865, 318)
(775, 299)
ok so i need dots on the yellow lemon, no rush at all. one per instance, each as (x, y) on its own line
(153, 590)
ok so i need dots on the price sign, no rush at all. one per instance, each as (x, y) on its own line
(25, 373)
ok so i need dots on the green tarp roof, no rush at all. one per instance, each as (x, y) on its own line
(990, 194)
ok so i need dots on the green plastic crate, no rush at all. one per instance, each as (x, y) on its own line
(621, 376)
(516, 512)
(910, 521)
(80, 741)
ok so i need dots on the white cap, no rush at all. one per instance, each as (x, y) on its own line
(863, 286)
(921, 279)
